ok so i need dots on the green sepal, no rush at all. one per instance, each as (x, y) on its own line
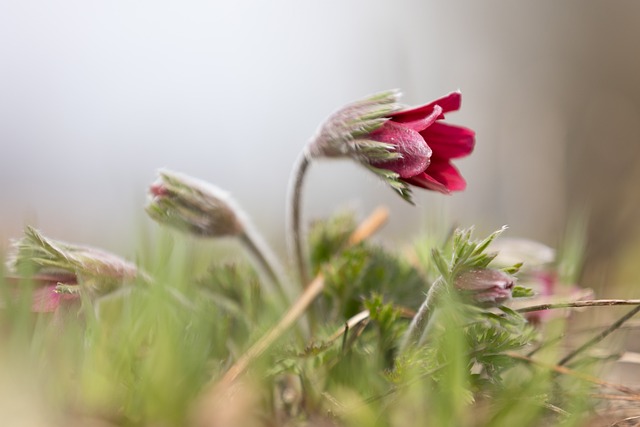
(522, 292)
(513, 269)
(393, 180)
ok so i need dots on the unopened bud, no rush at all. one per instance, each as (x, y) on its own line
(193, 206)
(486, 287)
(65, 268)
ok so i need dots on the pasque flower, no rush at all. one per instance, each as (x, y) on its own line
(407, 147)
(404, 147)
(201, 209)
(426, 145)
(485, 286)
(62, 270)
(193, 206)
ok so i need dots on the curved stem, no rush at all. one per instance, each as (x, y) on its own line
(413, 337)
(265, 259)
(295, 238)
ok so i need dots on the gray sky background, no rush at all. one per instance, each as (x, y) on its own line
(96, 95)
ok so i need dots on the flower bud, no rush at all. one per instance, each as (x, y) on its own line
(193, 206)
(48, 298)
(61, 269)
(486, 287)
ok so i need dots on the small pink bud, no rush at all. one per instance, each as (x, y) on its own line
(47, 299)
(486, 287)
(60, 270)
(158, 189)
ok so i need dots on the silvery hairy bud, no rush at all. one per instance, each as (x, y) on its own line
(486, 287)
(193, 206)
(62, 270)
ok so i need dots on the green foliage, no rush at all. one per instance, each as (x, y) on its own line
(490, 336)
(522, 292)
(466, 254)
(363, 270)
(393, 180)
(359, 272)
(387, 323)
(328, 237)
(143, 356)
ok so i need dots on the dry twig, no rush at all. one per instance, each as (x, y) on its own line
(366, 229)
(566, 371)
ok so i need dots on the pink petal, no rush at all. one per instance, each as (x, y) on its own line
(46, 299)
(158, 189)
(448, 103)
(423, 123)
(425, 181)
(415, 152)
(448, 141)
(440, 176)
(444, 172)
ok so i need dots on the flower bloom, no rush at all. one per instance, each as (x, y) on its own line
(486, 286)
(426, 145)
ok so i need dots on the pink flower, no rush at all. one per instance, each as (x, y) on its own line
(426, 145)
(60, 271)
(486, 286)
(47, 296)
(551, 290)
(48, 299)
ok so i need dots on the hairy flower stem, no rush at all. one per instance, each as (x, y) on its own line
(295, 238)
(266, 262)
(414, 336)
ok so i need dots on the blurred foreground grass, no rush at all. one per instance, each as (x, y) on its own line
(146, 354)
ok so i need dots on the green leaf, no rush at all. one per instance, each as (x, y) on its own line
(328, 237)
(440, 263)
(522, 292)
(393, 180)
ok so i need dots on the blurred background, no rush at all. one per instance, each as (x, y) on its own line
(95, 96)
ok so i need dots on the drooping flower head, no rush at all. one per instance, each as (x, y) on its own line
(203, 210)
(426, 145)
(193, 206)
(62, 270)
(405, 147)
